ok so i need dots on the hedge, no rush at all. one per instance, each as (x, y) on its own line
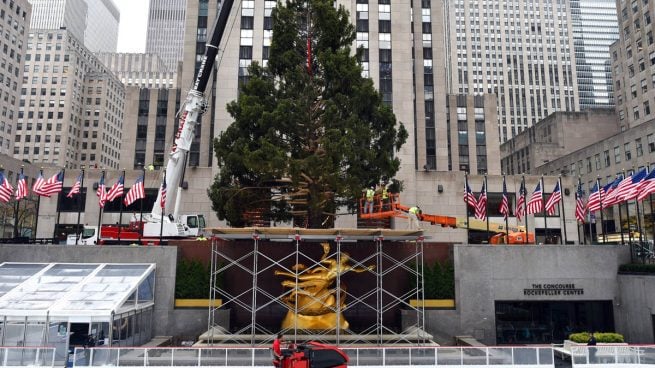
(192, 280)
(637, 268)
(438, 280)
(604, 337)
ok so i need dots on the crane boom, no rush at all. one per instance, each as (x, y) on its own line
(194, 105)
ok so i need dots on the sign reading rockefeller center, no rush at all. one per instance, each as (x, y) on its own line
(553, 290)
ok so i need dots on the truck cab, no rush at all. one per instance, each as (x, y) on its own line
(195, 223)
(87, 237)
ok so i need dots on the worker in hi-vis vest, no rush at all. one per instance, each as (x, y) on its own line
(370, 196)
(413, 218)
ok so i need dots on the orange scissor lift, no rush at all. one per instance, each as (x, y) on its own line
(384, 209)
(393, 208)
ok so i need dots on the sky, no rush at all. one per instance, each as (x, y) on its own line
(133, 25)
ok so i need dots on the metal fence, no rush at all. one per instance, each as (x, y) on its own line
(27, 357)
(612, 355)
(533, 356)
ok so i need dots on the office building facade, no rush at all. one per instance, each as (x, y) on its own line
(14, 23)
(520, 50)
(71, 106)
(633, 57)
(139, 70)
(166, 19)
(101, 34)
(94, 22)
(595, 28)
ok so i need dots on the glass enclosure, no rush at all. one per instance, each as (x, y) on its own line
(76, 305)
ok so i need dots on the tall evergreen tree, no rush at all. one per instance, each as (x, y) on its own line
(309, 132)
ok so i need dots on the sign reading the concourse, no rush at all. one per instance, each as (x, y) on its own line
(553, 290)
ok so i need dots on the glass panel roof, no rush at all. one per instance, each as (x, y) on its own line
(61, 289)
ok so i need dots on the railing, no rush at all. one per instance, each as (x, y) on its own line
(532, 356)
(27, 357)
(612, 355)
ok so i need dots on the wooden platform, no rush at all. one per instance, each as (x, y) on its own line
(280, 233)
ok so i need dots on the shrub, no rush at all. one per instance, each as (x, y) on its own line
(192, 280)
(637, 268)
(604, 337)
(439, 280)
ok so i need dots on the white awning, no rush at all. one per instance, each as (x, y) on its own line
(82, 291)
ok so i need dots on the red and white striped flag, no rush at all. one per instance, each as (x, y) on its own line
(162, 202)
(520, 203)
(481, 208)
(75, 189)
(6, 189)
(580, 209)
(504, 203)
(21, 190)
(36, 188)
(554, 199)
(116, 190)
(53, 185)
(647, 186)
(536, 203)
(102, 191)
(137, 191)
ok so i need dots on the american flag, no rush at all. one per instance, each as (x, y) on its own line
(504, 203)
(595, 196)
(481, 207)
(554, 199)
(76, 187)
(21, 190)
(162, 202)
(36, 188)
(536, 203)
(116, 190)
(630, 190)
(580, 210)
(136, 192)
(102, 191)
(53, 185)
(5, 188)
(520, 203)
(647, 186)
(611, 194)
(469, 198)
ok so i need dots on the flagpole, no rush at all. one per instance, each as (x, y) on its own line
(161, 220)
(120, 213)
(17, 205)
(578, 195)
(543, 207)
(100, 208)
(63, 177)
(507, 214)
(466, 191)
(525, 209)
(602, 218)
(79, 206)
(143, 172)
(621, 224)
(559, 179)
(38, 205)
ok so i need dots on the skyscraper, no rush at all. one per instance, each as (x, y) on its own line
(595, 28)
(166, 30)
(633, 60)
(71, 106)
(520, 50)
(101, 33)
(95, 22)
(14, 20)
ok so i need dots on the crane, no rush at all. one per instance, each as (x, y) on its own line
(173, 225)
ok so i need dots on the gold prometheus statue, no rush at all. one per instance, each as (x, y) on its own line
(313, 299)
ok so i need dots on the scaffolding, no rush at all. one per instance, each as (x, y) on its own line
(390, 266)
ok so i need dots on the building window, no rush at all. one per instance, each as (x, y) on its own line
(628, 153)
(635, 112)
(646, 108)
(638, 148)
(617, 155)
(607, 158)
(651, 143)
(597, 160)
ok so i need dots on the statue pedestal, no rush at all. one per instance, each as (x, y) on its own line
(326, 321)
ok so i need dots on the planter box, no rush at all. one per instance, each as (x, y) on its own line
(433, 303)
(196, 303)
